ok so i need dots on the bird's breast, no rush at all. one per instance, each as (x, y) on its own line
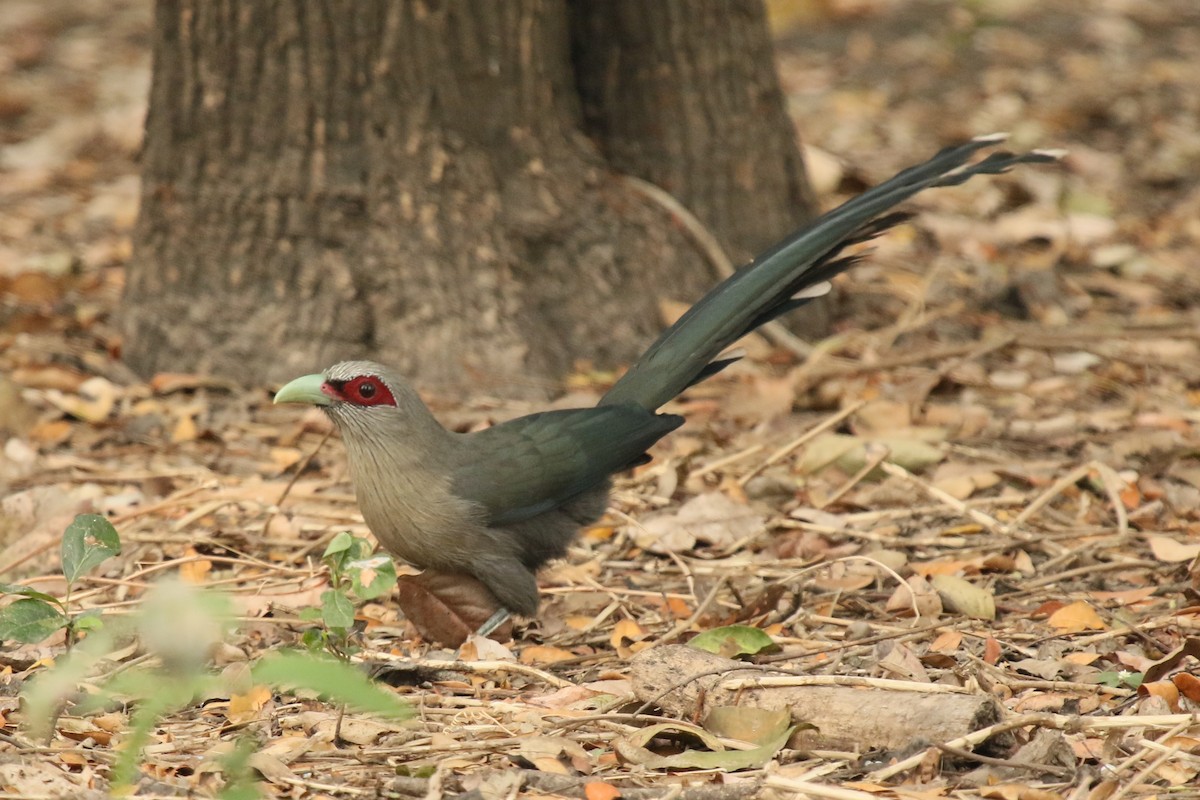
(413, 513)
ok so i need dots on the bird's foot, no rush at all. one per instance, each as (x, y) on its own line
(493, 622)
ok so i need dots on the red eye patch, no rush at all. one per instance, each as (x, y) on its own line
(365, 390)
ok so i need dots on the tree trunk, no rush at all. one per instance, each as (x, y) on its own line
(686, 96)
(327, 179)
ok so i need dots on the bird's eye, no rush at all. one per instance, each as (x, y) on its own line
(368, 390)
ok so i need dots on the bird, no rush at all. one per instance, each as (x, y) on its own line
(498, 503)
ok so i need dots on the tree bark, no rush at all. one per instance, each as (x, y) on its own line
(686, 96)
(328, 179)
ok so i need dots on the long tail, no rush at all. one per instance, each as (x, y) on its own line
(776, 281)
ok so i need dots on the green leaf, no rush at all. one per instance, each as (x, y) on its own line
(336, 609)
(88, 541)
(334, 680)
(732, 641)
(310, 614)
(30, 620)
(1120, 678)
(16, 588)
(339, 544)
(373, 576)
(88, 621)
(313, 639)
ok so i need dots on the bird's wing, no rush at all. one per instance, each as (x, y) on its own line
(530, 465)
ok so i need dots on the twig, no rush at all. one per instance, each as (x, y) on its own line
(1058, 721)
(809, 788)
(1062, 772)
(295, 477)
(377, 657)
(1034, 583)
(1057, 488)
(890, 684)
(801, 440)
(686, 625)
(1140, 777)
(986, 520)
(873, 462)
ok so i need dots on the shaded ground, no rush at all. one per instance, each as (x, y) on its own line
(1027, 353)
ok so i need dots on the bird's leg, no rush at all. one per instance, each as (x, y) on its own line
(493, 622)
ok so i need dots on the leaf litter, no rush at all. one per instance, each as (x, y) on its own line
(985, 481)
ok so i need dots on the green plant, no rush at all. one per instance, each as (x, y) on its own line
(180, 625)
(88, 541)
(355, 574)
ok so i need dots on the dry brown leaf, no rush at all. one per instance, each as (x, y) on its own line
(928, 604)
(478, 648)
(947, 642)
(959, 594)
(1166, 691)
(1188, 685)
(579, 622)
(447, 607)
(882, 418)
(555, 754)
(747, 723)
(1076, 617)
(960, 487)
(246, 707)
(902, 663)
(628, 638)
(846, 576)
(271, 768)
(945, 567)
(710, 517)
(570, 697)
(1171, 551)
(963, 480)
(49, 432)
(597, 790)
(258, 604)
(1186, 744)
(80, 729)
(1125, 597)
(545, 654)
(1082, 659)
(195, 571)
(288, 748)
(285, 457)
(991, 651)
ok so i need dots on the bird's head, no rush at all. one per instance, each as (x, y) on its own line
(362, 398)
(359, 384)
